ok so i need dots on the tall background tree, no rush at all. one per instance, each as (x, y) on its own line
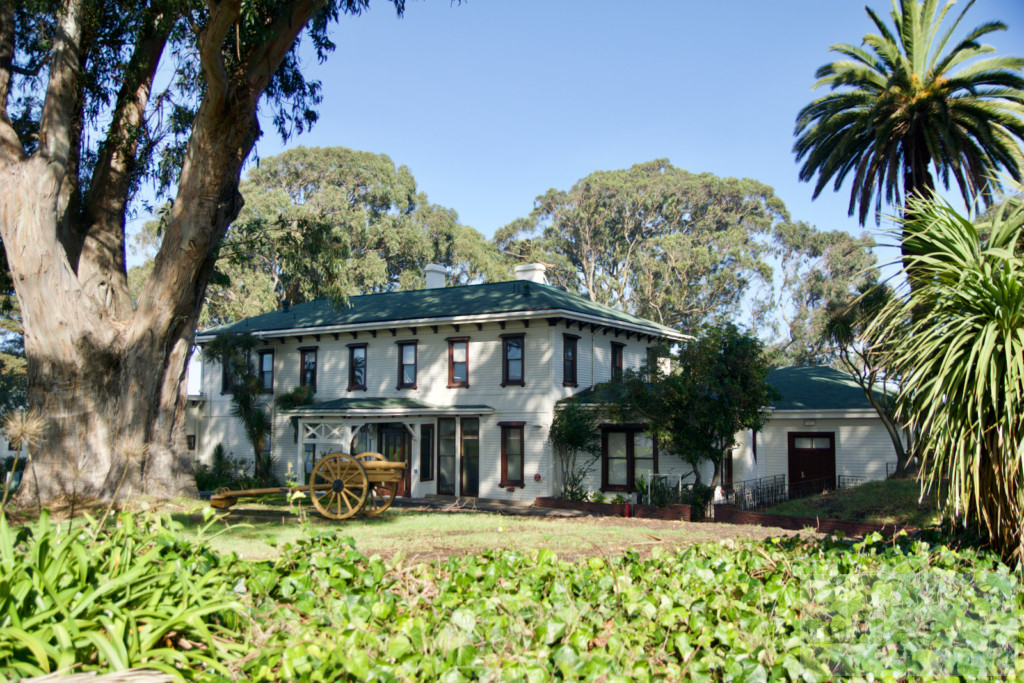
(847, 322)
(653, 240)
(331, 222)
(813, 267)
(81, 129)
(690, 249)
(917, 100)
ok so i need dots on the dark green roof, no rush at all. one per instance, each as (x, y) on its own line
(381, 404)
(817, 388)
(802, 388)
(498, 297)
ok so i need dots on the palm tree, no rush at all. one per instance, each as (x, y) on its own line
(962, 364)
(900, 108)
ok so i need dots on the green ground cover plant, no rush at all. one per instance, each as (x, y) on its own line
(323, 611)
(892, 501)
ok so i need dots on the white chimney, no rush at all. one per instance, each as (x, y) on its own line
(532, 272)
(435, 276)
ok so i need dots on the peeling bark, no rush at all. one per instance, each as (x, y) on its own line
(109, 380)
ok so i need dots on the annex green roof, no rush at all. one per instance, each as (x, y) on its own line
(802, 388)
(425, 305)
(383, 405)
(817, 388)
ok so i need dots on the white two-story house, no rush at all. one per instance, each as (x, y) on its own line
(458, 382)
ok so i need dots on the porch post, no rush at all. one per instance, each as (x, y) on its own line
(300, 460)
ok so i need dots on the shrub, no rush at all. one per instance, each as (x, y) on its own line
(113, 597)
(954, 338)
(222, 472)
(575, 440)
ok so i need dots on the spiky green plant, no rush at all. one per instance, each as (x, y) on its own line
(957, 340)
(901, 105)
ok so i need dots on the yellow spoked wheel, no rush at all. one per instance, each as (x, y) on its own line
(383, 487)
(338, 486)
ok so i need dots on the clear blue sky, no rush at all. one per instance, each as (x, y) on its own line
(492, 102)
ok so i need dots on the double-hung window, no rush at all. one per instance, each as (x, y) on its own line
(617, 351)
(357, 367)
(458, 362)
(569, 346)
(227, 377)
(512, 358)
(407, 364)
(266, 372)
(512, 454)
(307, 368)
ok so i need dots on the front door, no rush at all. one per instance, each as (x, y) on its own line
(812, 463)
(395, 445)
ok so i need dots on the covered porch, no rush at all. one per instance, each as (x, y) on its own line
(434, 441)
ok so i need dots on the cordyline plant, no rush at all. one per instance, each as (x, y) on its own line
(957, 340)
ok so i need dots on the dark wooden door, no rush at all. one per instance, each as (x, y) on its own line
(396, 445)
(812, 463)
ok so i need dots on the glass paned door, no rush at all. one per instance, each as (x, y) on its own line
(446, 456)
(470, 457)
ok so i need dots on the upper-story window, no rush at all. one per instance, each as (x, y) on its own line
(617, 352)
(512, 356)
(407, 364)
(569, 344)
(227, 377)
(307, 368)
(266, 371)
(458, 361)
(357, 367)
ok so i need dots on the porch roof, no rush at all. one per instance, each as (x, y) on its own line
(383, 407)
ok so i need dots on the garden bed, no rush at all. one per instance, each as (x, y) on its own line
(732, 514)
(674, 511)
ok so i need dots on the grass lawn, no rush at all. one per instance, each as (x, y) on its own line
(424, 536)
(893, 501)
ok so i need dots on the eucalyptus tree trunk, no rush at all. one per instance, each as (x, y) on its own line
(107, 377)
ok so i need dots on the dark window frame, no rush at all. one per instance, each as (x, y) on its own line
(190, 442)
(618, 353)
(303, 350)
(507, 481)
(261, 374)
(570, 340)
(505, 381)
(352, 385)
(452, 384)
(414, 343)
(427, 473)
(632, 430)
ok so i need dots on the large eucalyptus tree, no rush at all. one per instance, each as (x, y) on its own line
(911, 103)
(96, 98)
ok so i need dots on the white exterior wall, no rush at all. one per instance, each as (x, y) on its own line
(862, 445)
(533, 403)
